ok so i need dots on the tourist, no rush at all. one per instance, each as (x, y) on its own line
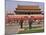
(30, 22)
(21, 23)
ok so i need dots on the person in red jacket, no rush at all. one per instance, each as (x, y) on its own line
(30, 22)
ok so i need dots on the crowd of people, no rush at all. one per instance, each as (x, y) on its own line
(22, 19)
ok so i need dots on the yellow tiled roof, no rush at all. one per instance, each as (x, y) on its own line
(27, 7)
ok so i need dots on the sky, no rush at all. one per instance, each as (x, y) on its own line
(12, 4)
